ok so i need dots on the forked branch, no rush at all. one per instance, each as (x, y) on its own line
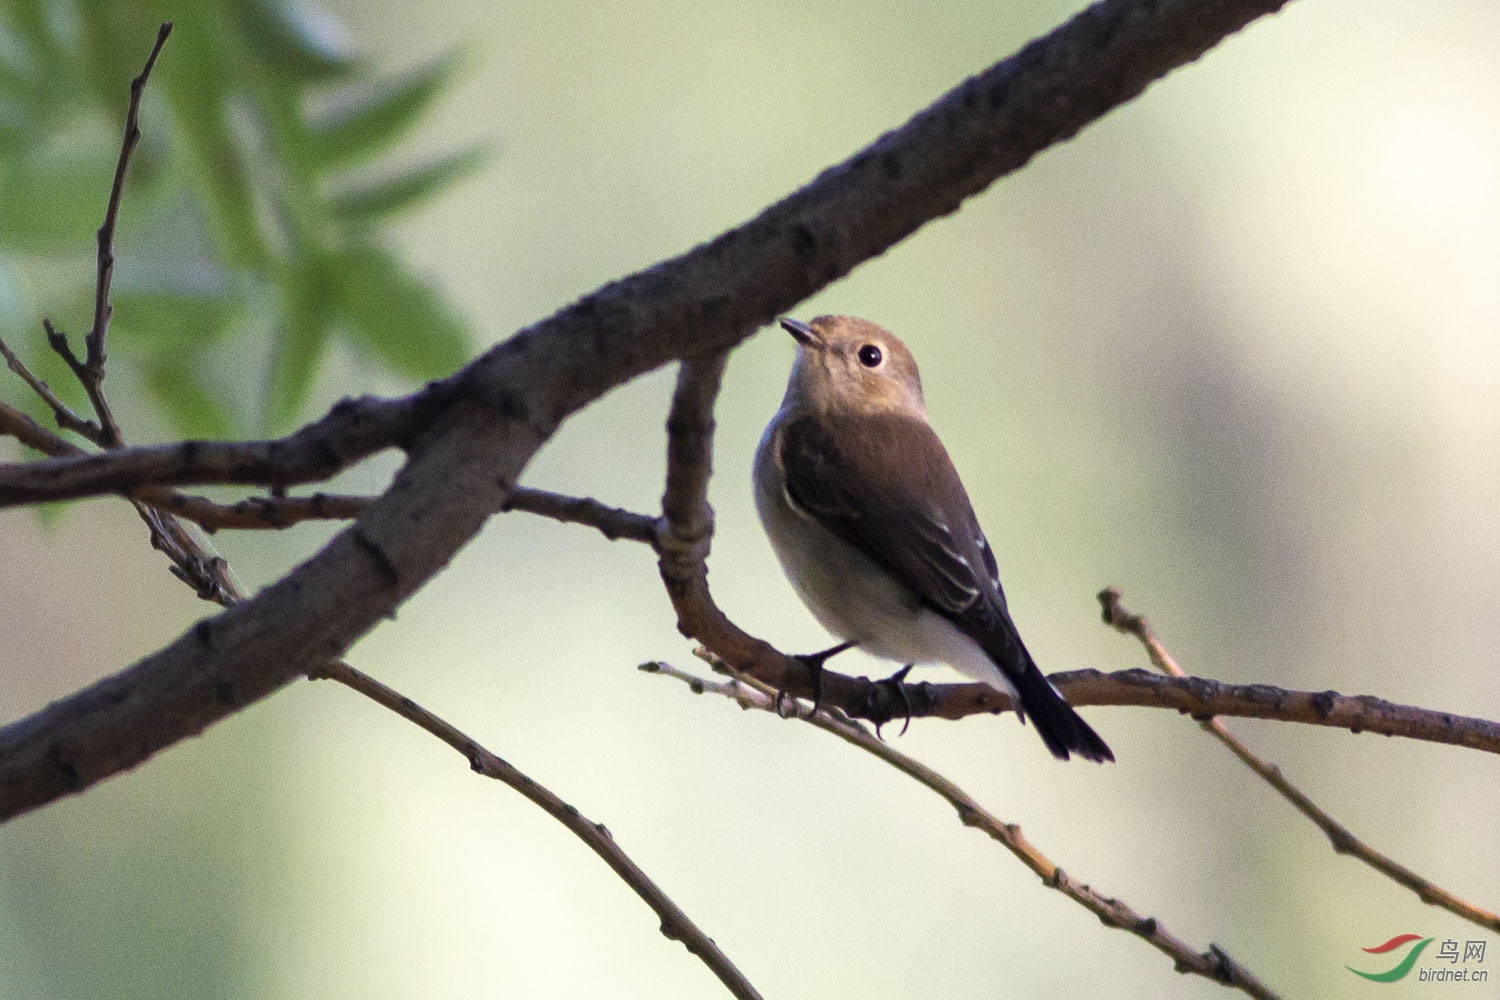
(1339, 836)
(1215, 963)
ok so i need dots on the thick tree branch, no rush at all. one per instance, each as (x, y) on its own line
(469, 438)
(1339, 836)
(1215, 964)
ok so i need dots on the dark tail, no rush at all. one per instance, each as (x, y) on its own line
(1061, 728)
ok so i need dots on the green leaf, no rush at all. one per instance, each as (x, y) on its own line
(54, 203)
(177, 387)
(364, 119)
(19, 87)
(404, 190)
(197, 82)
(302, 41)
(400, 319)
(49, 515)
(307, 298)
(158, 324)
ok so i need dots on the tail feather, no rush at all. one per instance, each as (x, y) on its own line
(1059, 726)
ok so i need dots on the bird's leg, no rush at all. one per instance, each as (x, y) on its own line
(814, 664)
(894, 682)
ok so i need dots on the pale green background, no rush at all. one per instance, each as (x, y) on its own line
(1235, 349)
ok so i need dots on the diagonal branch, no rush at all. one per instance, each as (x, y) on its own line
(469, 438)
(675, 924)
(1339, 836)
(1215, 964)
(67, 418)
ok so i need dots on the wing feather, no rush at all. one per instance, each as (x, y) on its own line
(919, 525)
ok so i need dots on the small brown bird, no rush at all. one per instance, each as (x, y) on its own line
(873, 528)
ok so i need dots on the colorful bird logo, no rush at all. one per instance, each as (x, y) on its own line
(1401, 968)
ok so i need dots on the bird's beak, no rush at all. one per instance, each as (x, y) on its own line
(801, 332)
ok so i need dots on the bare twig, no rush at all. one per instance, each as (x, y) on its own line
(92, 373)
(283, 511)
(613, 522)
(1200, 697)
(67, 418)
(1339, 836)
(1215, 963)
(19, 425)
(253, 513)
(675, 924)
(684, 537)
(353, 430)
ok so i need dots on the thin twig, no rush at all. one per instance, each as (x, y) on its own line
(612, 522)
(1215, 963)
(256, 513)
(67, 418)
(19, 425)
(93, 367)
(675, 924)
(684, 537)
(192, 561)
(352, 431)
(1339, 836)
(251, 513)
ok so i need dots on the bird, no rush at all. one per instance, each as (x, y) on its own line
(873, 528)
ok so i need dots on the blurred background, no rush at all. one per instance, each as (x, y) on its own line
(1235, 349)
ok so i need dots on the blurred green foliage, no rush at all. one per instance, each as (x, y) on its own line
(270, 160)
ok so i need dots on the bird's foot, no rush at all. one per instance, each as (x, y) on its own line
(814, 664)
(894, 683)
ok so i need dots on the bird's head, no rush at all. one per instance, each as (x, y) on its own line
(847, 365)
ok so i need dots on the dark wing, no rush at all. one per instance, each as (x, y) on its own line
(885, 485)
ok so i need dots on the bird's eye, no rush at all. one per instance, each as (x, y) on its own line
(870, 356)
